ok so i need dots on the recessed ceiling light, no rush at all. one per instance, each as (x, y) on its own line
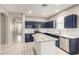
(57, 10)
(57, 4)
(29, 12)
(44, 14)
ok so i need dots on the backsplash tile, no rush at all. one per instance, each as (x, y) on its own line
(70, 32)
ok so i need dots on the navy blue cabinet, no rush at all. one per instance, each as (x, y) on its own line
(38, 24)
(57, 43)
(28, 38)
(29, 24)
(70, 21)
(49, 24)
(33, 24)
(73, 46)
(45, 25)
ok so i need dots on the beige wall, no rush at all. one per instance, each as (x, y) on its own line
(3, 10)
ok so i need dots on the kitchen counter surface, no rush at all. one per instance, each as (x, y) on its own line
(70, 36)
(65, 36)
(39, 37)
(57, 35)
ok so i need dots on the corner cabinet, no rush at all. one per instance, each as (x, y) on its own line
(70, 21)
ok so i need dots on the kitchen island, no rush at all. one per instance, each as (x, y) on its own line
(44, 44)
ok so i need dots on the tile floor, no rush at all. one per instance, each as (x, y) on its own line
(23, 49)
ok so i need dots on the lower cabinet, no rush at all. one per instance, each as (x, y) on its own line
(57, 43)
(73, 43)
(69, 45)
(28, 38)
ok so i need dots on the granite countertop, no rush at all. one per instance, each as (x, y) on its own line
(66, 36)
(39, 37)
(70, 36)
(57, 34)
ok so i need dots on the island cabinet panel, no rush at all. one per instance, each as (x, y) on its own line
(44, 44)
(45, 48)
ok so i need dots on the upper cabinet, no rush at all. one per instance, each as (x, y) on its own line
(62, 22)
(49, 24)
(70, 21)
(33, 24)
(29, 24)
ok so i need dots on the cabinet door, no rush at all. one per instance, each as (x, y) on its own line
(70, 21)
(51, 24)
(45, 25)
(28, 38)
(63, 46)
(61, 42)
(29, 24)
(66, 45)
(57, 43)
(73, 46)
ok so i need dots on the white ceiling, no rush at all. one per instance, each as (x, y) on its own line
(36, 9)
